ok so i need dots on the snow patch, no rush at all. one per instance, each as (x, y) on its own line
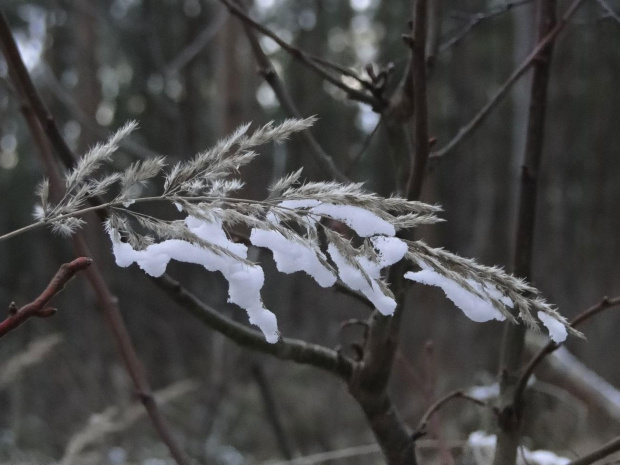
(291, 256)
(389, 250)
(245, 281)
(474, 307)
(480, 449)
(557, 330)
(364, 222)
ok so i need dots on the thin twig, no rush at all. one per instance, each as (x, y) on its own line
(609, 10)
(36, 352)
(115, 420)
(325, 161)
(476, 20)
(345, 72)
(303, 58)
(602, 452)
(190, 52)
(481, 116)
(38, 307)
(272, 411)
(458, 394)
(80, 115)
(358, 156)
(551, 347)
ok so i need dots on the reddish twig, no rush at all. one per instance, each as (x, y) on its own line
(551, 347)
(481, 116)
(37, 117)
(38, 307)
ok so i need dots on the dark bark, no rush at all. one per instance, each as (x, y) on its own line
(511, 408)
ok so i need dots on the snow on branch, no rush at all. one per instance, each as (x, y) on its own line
(295, 222)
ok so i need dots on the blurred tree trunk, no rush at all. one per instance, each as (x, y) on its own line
(85, 45)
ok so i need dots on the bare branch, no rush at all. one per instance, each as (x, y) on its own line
(303, 58)
(37, 308)
(609, 10)
(35, 353)
(602, 452)
(358, 156)
(325, 161)
(298, 351)
(286, 349)
(38, 117)
(23, 84)
(552, 346)
(113, 420)
(510, 417)
(78, 113)
(478, 19)
(272, 411)
(481, 116)
(185, 56)
(459, 394)
(418, 57)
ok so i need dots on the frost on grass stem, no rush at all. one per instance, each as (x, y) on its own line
(293, 223)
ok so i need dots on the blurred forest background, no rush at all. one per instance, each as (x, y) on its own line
(184, 70)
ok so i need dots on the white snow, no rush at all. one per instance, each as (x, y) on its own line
(490, 391)
(291, 256)
(481, 439)
(294, 204)
(245, 281)
(557, 330)
(365, 223)
(390, 250)
(481, 448)
(475, 308)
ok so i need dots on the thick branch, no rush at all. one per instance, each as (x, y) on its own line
(285, 349)
(37, 308)
(531, 59)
